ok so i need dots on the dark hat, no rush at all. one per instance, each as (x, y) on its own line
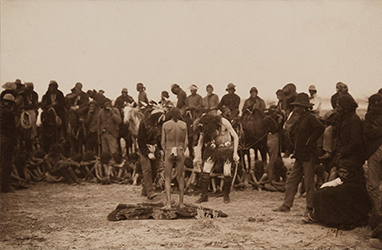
(347, 102)
(302, 99)
(375, 100)
(174, 86)
(253, 89)
(165, 94)
(289, 90)
(53, 83)
(124, 90)
(230, 86)
(209, 86)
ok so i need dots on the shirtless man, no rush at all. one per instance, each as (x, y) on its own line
(217, 149)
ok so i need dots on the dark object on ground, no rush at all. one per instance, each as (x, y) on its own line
(144, 211)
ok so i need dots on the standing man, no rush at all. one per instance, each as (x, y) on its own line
(149, 135)
(229, 104)
(108, 127)
(143, 101)
(27, 101)
(181, 95)
(194, 103)
(55, 99)
(315, 100)
(174, 143)
(254, 105)
(210, 101)
(77, 106)
(373, 134)
(8, 138)
(304, 133)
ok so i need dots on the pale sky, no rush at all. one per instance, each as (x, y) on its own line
(114, 44)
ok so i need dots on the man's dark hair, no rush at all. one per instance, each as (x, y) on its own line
(174, 114)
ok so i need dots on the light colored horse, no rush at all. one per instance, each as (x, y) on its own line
(132, 118)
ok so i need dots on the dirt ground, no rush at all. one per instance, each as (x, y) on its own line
(59, 216)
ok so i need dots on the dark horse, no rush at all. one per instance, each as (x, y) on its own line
(252, 136)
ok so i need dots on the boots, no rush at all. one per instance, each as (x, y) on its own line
(227, 188)
(204, 181)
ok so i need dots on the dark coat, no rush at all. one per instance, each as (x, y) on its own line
(232, 101)
(345, 206)
(306, 132)
(82, 102)
(349, 133)
(373, 132)
(148, 134)
(59, 107)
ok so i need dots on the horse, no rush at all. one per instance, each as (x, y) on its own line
(252, 136)
(131, 120)
(76, 132)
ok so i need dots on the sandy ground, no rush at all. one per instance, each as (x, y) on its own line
(58, 216)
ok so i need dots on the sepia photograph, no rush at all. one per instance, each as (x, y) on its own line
(190, 124)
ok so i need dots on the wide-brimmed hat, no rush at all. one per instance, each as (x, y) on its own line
(230, 86)
(9, 97)
(9, 86)
(289, 90)
(347, 102)
(302, 99)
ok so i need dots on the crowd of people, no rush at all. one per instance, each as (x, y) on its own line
(197, 143)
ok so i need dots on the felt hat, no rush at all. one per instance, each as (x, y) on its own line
(9, 97)
(124, 90)
(253, 89)
(209, 86)
(289, 90)
(347, 102)
(230, 86)
(165, 94)
(312, 87)
(302, 99)
(9, 86)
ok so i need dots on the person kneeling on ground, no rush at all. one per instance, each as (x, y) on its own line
(343, 202)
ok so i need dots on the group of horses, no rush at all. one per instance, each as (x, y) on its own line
(249, 129)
